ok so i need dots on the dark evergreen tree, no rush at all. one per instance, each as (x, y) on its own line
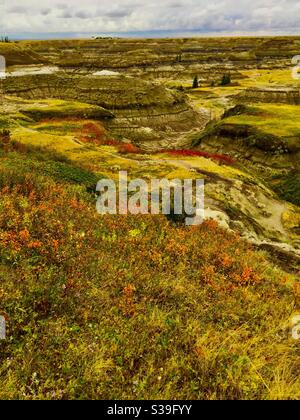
(226, 79)
(195, 82)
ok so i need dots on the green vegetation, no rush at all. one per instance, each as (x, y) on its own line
(271, 128)
(272, 77)
(226, 80)
(63, 109)
(279, 120)
(196, 82)
(289, 188)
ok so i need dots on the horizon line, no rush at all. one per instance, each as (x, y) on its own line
(148, 34)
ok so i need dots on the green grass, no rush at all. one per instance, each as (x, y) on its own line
(278, 120)
(56, 108)
(269, 78)
(289, 188)
(58, 171)
(60, 127)
(13, 120)
(26, 160)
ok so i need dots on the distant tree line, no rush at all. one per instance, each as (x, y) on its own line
(5, 39)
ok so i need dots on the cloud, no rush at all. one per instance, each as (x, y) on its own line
(61, 6)
(100, 16)
(115, 14)
(45, 12)
(81, 14)
(65, 15)
(17, 10)
(176, 5)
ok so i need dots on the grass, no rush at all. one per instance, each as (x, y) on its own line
(224, 159)
(278, 120)
(289, 188)
(133, 307)
(13, 120)
(18, 54)
(29, 159)
(59, 127)
(59, 171)
(214, 99)
(56, 108)
(269, 78)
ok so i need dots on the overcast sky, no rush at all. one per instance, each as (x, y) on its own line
(99, 16)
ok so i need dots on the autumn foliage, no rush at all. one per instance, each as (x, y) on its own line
(94, 132)
(128, 148)
(132, 307)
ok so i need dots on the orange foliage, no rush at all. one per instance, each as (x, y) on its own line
(94, 132)
(128, 148)
(127, 304)
(24, 235)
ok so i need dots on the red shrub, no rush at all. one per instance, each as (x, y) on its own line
(111, 142)
(128, 148)
(94, 132)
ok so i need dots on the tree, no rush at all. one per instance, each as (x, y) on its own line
(226, 79)
(179, 57)
(195, 82)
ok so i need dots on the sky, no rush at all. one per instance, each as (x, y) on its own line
(78, 17)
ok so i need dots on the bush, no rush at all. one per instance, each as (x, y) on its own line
(128, 148)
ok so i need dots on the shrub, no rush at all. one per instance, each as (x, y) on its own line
(128, 148)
